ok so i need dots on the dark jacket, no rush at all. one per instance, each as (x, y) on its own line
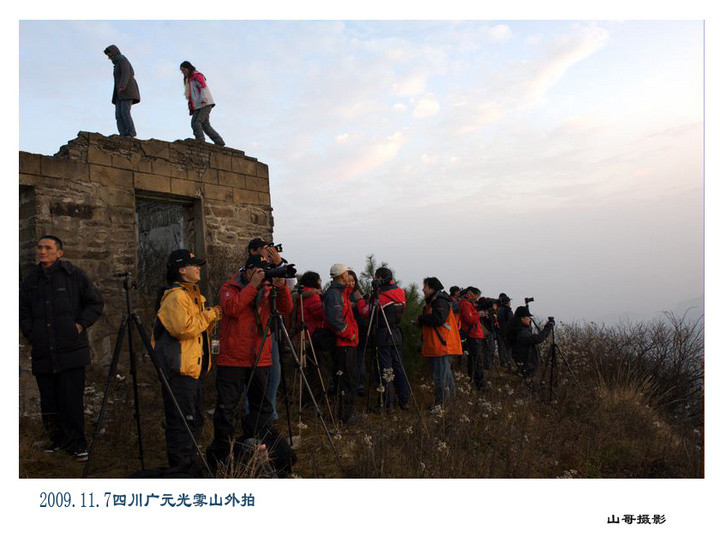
(524, 348)
(124, 78)
(392, 300)
(52, 301)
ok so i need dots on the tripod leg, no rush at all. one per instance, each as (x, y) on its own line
(133, 372)
(312, 397)
(163, 379)
(112, 371)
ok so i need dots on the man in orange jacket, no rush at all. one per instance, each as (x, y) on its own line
(246, 304)
(441, 337)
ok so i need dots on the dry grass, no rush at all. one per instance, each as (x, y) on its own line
(614, 413)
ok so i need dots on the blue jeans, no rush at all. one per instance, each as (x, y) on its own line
(275, 374)
(443, 378)
(124, 120)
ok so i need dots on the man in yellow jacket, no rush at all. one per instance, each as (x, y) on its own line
(182, 344)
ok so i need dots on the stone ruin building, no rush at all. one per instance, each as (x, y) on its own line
(121, 205)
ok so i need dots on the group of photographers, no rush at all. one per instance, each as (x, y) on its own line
(250, 311)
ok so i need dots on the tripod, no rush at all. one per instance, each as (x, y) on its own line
(551, 360)
(127, 321)
(371, 334)
(303, 354)
(276, 321)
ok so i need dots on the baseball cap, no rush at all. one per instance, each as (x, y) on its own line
(183, 258)
(256, 243)
(338, 269)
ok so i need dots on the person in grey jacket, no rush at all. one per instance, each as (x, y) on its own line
(524, 343)
(125, 90)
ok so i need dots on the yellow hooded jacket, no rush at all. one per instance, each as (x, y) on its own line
(186, 320)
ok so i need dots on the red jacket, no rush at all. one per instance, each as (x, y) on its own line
(470, 319)
(312, 311)
(241, 329)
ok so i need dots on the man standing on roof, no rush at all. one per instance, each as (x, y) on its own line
(125, 90)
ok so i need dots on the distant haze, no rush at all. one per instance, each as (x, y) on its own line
(558, 160)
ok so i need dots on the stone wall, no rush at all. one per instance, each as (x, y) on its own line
(86, 194)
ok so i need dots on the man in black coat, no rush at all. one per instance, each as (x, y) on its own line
(58, 303)
(125, 90)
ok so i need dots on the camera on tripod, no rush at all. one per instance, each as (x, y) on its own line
(382, 282)
(529, 300)
(284, 271)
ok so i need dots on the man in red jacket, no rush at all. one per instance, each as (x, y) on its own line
(471, 325)
(245, 303)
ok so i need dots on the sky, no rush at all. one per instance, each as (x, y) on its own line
(543, 151)
(560, 160)
(555, 160)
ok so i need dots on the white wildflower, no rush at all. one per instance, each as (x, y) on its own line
(367, 440)
(409, 430)
(442, 446)
(388, 375)
(302, 426)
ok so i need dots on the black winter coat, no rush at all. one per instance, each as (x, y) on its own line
(52, 301)
(524, 349)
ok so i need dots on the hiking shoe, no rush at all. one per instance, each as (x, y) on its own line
(52, 448)
(81, 454)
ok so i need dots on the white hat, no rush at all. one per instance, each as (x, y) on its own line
(338, 269)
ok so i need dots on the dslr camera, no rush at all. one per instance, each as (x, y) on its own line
(278, 247)
(283, 271)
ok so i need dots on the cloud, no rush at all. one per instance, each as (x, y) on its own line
(498, 33)
(426, 107)
(561, 55)
(409, 86)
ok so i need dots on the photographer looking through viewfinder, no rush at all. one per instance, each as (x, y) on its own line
(523, 342)
(271, 254)
(246, 305)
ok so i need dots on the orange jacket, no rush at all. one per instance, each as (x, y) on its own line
(441, 336)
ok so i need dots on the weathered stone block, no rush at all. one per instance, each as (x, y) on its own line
(257, 184)
(99, 156)
(245, 196)
(184, 187)
(244, 166)
(126, 162)
(263, 171)
(30, 163)
(221, 161)
(162, 167)
(219, 193)
(115, 196)
(150, 182)
(159, 149)
(111, 176)
(231, 179)
(209, 175)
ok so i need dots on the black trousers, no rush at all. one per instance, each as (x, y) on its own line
(476, 352)
(61, 407)
(189, 394)
(345, 372)
(230, 382)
